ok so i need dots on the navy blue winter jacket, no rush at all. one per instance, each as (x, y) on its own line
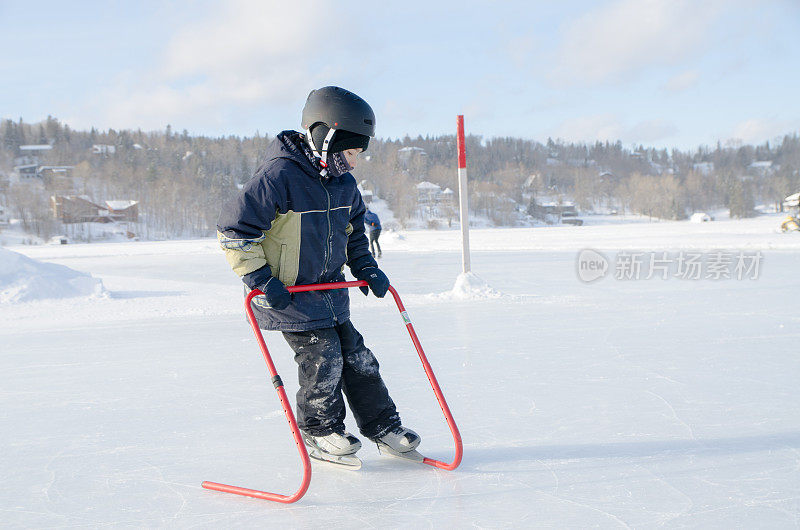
(291, 223)
(373, 223)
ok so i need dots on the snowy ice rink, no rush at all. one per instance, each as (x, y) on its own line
(618, 403)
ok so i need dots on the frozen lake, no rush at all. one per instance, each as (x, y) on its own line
(618, 403)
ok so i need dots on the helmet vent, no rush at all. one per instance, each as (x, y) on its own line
(368, 122)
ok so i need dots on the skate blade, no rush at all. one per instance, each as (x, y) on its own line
(413, 455)
(349, 462)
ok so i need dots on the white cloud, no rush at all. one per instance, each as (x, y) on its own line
(682, 81)
(590, 128)
(650, 131)
(608, 127)
(242, 54)
(758, 130)
(243, 36)
(618, 39)
(522, 49)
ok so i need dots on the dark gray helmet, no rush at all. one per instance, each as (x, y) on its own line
(338, 109)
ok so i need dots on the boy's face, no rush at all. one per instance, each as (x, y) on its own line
(351, 155)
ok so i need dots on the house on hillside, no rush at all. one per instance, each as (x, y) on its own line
(660, 169)
(365, 187)
(56, 177)
(35, 148)
(31, 154)
(532, 181)
(27, 162)
(607, 176)
(407, 152)
(81, 209)
(555, 212)
(407, 155)
(428, 192)
(126, 211)
(25, 174)
(51, 171)
(704, 168)
(28, 168)
(432, 194)
(433, 202)
(761, 168)
(581, 162)
(448, 196)
(568, 209)
(103, 149)
(78, 209)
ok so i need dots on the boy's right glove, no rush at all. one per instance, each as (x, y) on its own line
(376, 279)
(277, 295)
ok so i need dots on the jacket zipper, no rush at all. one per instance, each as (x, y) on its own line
(328, 249)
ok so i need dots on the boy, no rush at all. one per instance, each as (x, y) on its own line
(374, 229)
(299, 220)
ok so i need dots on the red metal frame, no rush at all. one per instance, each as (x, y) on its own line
(258, 494)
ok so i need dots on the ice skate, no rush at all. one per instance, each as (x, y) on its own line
(401, 443)
(334, 448)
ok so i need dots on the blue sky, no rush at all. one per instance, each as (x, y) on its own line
(666, 73)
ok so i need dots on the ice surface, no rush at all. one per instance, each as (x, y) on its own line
(610, 404)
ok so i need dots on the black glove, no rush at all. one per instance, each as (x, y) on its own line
(376, 279)
(277, 295)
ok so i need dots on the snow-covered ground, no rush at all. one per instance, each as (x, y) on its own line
(617, 403)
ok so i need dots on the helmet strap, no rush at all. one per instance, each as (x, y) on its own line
(323, 157)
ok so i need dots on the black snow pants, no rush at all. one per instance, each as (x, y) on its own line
(332, 361)
(373, 241)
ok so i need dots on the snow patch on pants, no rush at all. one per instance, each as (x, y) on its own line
(363, 362)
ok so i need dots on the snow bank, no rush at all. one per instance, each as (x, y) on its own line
(23, 279)
(468, 286)
(700, 217)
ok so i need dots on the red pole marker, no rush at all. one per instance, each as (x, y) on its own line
(463, 194)
(462, 152)
(276, 380)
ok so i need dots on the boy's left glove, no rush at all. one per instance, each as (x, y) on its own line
(376, 279)
(277, 295)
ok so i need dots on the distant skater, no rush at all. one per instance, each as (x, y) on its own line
(374, 228)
